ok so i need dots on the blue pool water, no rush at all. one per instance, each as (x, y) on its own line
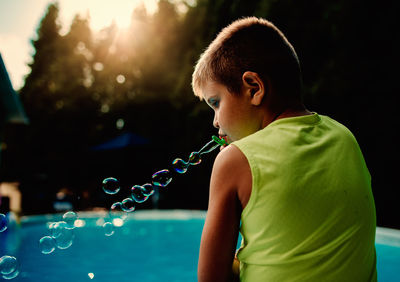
(150, 246)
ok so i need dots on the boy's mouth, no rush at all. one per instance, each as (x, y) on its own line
(223, 136)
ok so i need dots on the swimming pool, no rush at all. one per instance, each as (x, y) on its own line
(150, 246)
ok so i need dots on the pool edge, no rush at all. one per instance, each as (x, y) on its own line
(387, 236)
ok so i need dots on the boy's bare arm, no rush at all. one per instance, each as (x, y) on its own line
(220, 232)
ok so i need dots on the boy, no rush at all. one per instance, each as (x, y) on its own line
(294, 182)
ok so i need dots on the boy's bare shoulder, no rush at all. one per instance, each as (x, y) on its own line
(230, 158)
(232, 172)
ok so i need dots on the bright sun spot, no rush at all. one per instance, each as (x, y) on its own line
(103, 12)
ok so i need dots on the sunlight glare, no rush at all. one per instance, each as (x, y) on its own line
(103, 12)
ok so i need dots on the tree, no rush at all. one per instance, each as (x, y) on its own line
(41, 77)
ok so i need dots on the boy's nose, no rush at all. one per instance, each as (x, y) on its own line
(215, 122)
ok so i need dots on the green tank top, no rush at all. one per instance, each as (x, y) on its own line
(311, 213)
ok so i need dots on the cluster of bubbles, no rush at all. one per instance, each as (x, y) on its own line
(140, 193)
(61, 234)
(61, 237)
(8, 264)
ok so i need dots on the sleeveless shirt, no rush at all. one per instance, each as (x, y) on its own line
(311, 213)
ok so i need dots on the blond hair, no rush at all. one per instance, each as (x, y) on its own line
(249, 44)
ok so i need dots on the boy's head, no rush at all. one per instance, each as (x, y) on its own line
(250, 44)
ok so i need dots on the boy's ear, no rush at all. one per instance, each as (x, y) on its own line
(254, 87)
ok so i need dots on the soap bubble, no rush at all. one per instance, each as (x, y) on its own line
(69, 218)
(108, 228)
(138, 194)
(117, 211)
(47, 244)
(111, 185)
(116, 207)
(162, 178)
(148, 189)
(8, 264)
(179, 165)
(50, 226)
(65, 239)
(194, 158)
(128, 205)
(12, 275)
(62, 233)
(3, 222)
(56, 228)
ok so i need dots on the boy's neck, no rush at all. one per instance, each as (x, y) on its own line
(294, 113)
(285, 112)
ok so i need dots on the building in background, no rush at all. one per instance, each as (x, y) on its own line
(11, 111)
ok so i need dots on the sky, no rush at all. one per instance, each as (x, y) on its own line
(19, 20)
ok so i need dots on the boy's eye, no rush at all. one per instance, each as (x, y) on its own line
(215, 104)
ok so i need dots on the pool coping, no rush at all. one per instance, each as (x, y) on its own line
(387, 236)
(137, 215)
